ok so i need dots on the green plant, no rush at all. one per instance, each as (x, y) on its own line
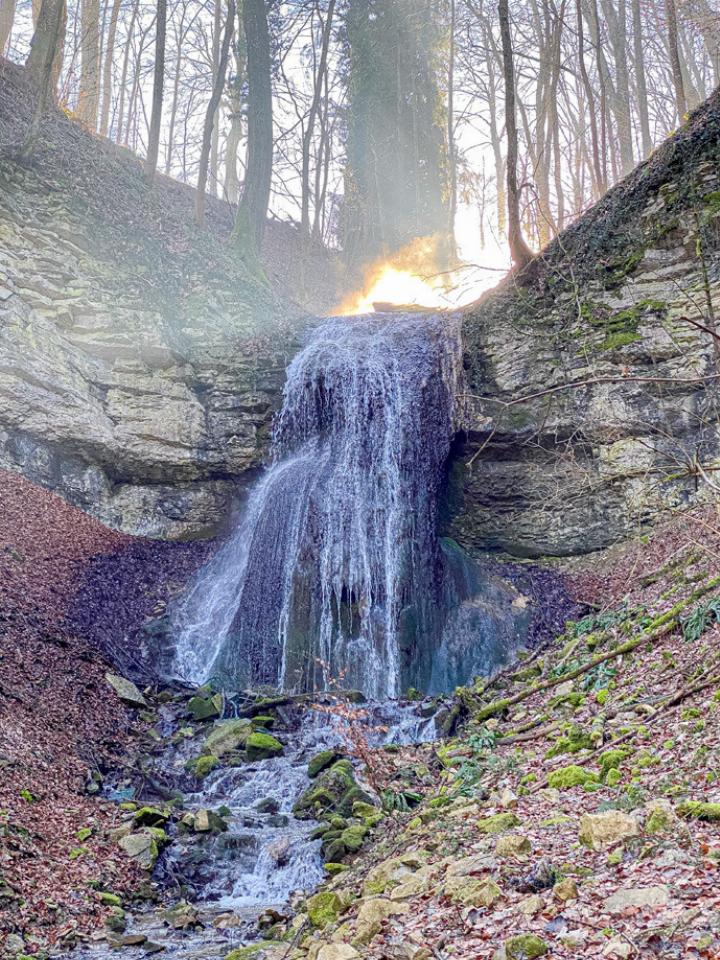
(701, 619)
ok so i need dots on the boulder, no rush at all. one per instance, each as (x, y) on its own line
(207, 821)
(499, 823)
(337, 951)
(150, 817)
(472, 891)
(334, 791)
(513, 845)
(531, 905)
(660, 817)
(324, 908)
(262, 746)
(571, 776)
(321, 761)
(470, 866)
(601, 830)
(618, 949)
(201, 766)
(226, 736)
(372, 915)
(142, 847)
(126, 690)
(392, 872)
(353, 837)
(636, 898)
(205, 708)
(526, 946)
(565, 890)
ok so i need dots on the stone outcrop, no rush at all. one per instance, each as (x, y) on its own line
(140, 363)
(617, 296)
(142, 397)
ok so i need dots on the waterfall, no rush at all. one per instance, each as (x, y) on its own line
(334, 570)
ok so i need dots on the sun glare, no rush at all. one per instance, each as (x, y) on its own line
(411, 278)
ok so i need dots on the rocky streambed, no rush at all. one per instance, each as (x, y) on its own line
(238, 809)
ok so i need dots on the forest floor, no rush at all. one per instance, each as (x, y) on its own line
(61, 723)
(576, 812)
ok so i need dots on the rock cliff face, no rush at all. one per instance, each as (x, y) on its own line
(139, 362)
(143, 415)
(620, 299)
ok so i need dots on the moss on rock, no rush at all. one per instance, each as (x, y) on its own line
(262, 746)
(324, 908)
(571, 776)
(498, 823)
(526, 946)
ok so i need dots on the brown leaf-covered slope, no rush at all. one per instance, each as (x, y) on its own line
(60, 721)
(634, 739)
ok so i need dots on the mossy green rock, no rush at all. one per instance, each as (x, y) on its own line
(353, 837)
(150, 817)
(226, 736)
(526, 946)
(324, 908)
(265, 722)
(698, 810)
(571, 776)
(262, 746)
(364, 810)
(321, 761)
(333, 869)
(201, 766)
(333, 792)
(110, 899)
(498, 823)
(205, 708)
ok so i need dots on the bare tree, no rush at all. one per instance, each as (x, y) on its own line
(157, 98)
(674, 51)
(212, 110)
(7, 18)
(108, 68)
(312, 118)
(48, 36)
(89, 92)
(252, 209)
(519, 250)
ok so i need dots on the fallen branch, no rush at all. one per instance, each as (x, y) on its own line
(661, 626)
(592, 382)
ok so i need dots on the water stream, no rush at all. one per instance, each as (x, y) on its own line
(266, 857)
(334, 571)
(335, 576)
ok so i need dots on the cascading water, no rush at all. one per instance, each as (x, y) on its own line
(334, 571)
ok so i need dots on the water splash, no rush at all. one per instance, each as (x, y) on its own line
(334, 571)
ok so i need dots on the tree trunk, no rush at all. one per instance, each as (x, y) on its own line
(597, 172)
(211, 112)
(107, 69)
(674, 51)
(124, 73)
(235, 96)
(452, 152)
(7, 18)
(48, 37)
(157, 99)
(519, 250)
(252, 209)
(312, 117)
(89, 92)
(640, 82)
